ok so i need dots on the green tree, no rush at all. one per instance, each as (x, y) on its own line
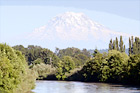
(134, 48)
(130, 47)
(117, 63)
(132, 44)
(114, 45)
(110, 45)
(124, 48)
(134, 69)
(13, 71)
(91, 70)
(117, 44)
(95, 52)
(80, 59)
(121, 44)
(64, 67)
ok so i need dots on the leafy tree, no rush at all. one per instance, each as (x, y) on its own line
(134, 69)
(95, 52)
(91, 69)
(13, 71)
(43, 70)
(64, 67)
(69, 52)
(60, 73)
(86, 52)
(104, 70)
(81, 59)
(117, 63)
(32, 53)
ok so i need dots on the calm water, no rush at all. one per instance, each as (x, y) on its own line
(81, 87)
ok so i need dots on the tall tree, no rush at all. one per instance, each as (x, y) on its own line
(121, 44)
(117, 45)
(134, 48)
(124, 48)
(137, 42)
(110, 45)
(114, 45)
(130, 46)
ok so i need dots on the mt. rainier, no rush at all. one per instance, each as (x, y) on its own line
(75, 29)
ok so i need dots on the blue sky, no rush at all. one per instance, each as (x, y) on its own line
(20, 17)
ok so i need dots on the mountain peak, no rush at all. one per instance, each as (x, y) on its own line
(73, 13)
(75, 27)
(70, 14)
(73, 19)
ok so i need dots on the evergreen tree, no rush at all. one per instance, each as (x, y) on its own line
(134, 48)
(137, 42)
(110, 45)
(121, 44)
(117, 45)
(139, 46)
(114, 45)
(130, 46)
(124, 49)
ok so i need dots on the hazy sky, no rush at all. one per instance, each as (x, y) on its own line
(19, 17)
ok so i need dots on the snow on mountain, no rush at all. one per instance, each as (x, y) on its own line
(75, 27)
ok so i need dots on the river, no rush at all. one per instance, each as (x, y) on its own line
(81, 87)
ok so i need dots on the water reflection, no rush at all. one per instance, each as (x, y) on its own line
(80, 87)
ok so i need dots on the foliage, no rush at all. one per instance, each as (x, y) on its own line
(92, 67)
(13, 70)
(117, 63)
(33, 53)
(115, 45)
(134, 46)
(64, 67)
(111, 67)
(43, 70)
(80, 59)
(75, 64)
(134, 69)
(79, 56)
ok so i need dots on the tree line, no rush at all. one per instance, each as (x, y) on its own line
(113, 67)
(45, 62)
(72, 63)
(20, 66)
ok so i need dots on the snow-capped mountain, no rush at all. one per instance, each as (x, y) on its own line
(75, 27)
